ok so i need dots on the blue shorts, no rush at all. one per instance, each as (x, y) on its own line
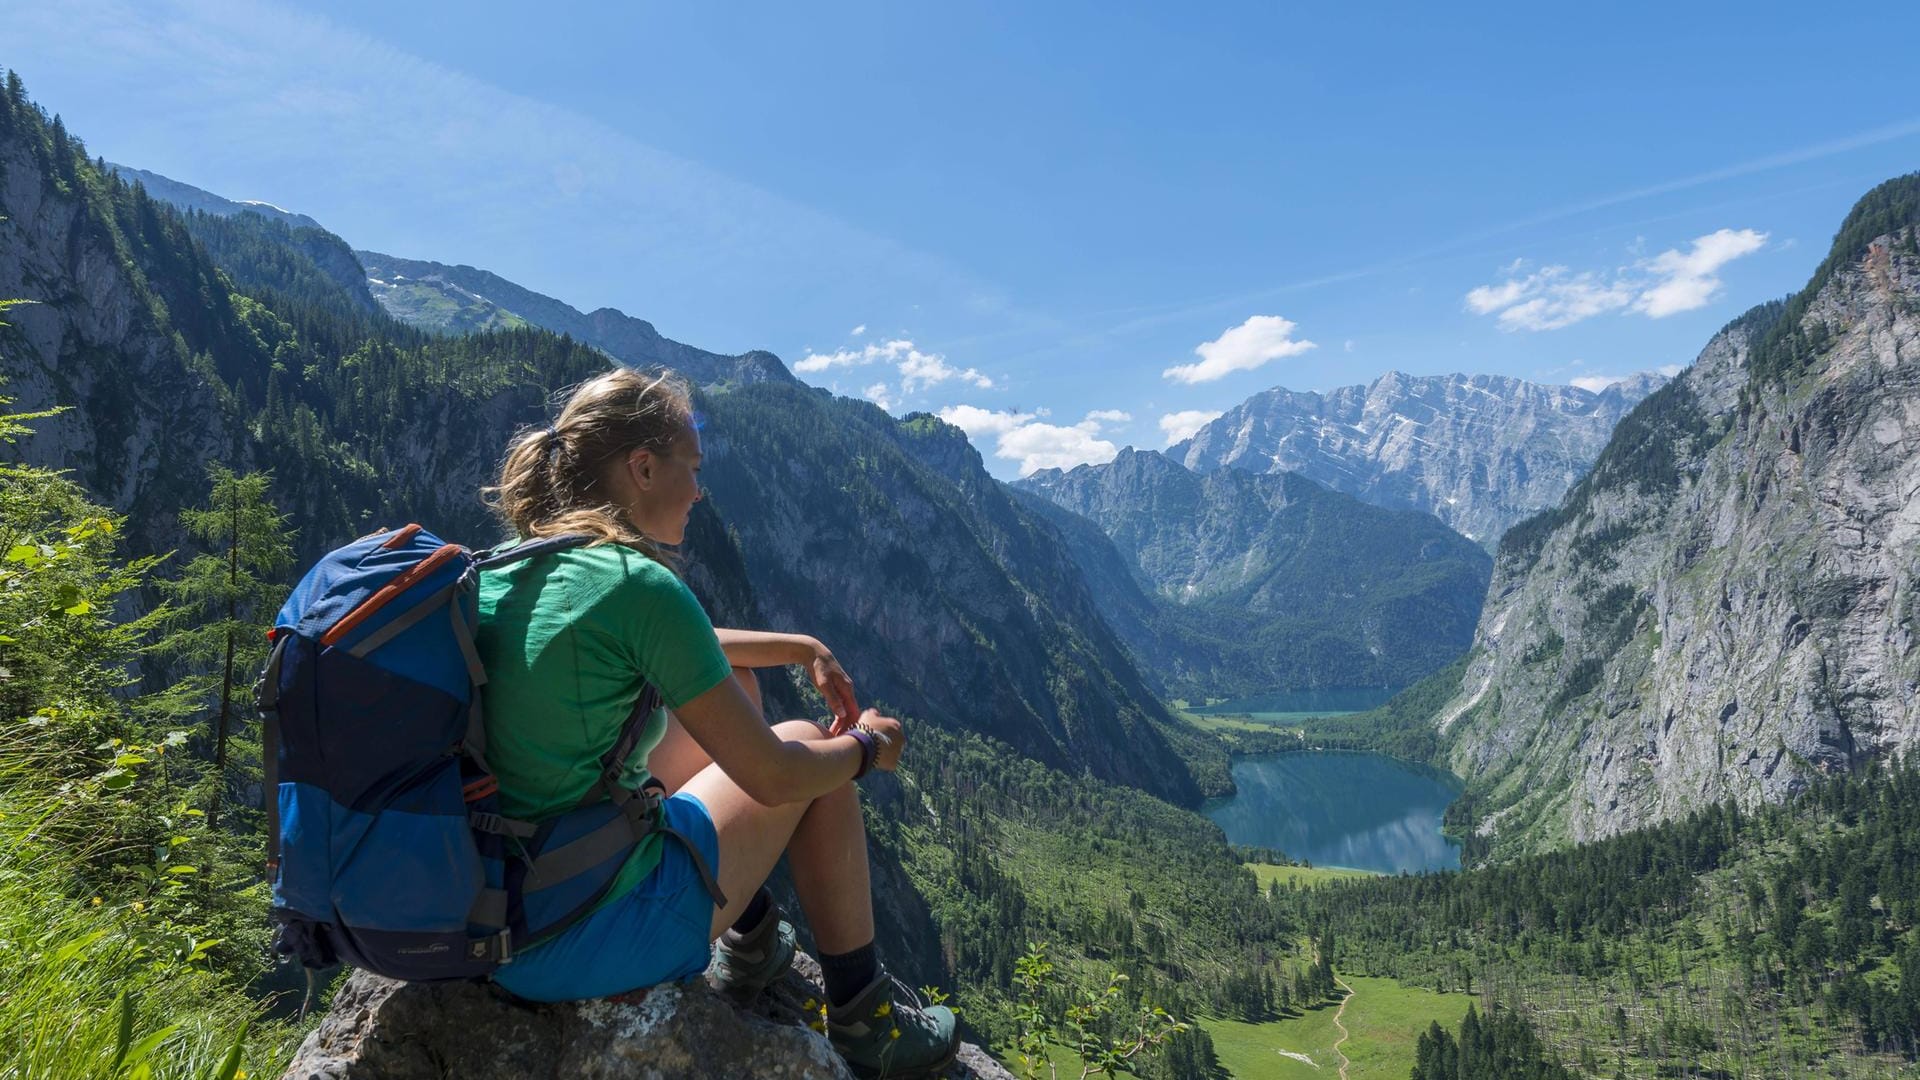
(658, 933)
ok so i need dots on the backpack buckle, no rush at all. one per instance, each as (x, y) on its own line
(496, 949)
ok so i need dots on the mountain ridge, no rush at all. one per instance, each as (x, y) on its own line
(478, 299)
(1480, 452)
(1292, 583)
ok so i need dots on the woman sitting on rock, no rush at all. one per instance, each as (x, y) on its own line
(571, 639)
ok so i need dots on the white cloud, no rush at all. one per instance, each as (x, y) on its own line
(858, 330)
(1022, 437)
(1666, 284)
(1595, 383)
(1182, 425)
(1486, 299)
(1254, 343)
(1548, 299)
(1050, 446)
(1690, 280)
(1109, 416)
(920, 370)
(917, 369)
(1670, 370)
(1349, 345)
(879, 395)
(978, 422)
(814, 361)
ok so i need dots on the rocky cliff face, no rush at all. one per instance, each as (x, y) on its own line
(1479, 452)
(1725, 607)
(459, 298)
(96, 339)
(1292, 584)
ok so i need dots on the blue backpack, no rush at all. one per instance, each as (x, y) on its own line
(385, 842)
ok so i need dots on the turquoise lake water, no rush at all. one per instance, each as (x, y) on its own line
(1364, 811)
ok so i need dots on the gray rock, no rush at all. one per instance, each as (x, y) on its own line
(1727, 609)
(1480, 452)
(379, 1028)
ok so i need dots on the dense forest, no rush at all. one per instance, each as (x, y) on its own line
(1732, 942)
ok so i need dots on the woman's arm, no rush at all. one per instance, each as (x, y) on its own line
(764, 648)
(773, 770)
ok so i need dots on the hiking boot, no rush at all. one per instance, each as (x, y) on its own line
(885, 1032)
(745, 964)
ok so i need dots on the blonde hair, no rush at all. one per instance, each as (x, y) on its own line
(551, 480)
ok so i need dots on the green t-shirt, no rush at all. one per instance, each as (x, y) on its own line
(568, 640)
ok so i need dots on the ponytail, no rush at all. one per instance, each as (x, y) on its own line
(551, 479)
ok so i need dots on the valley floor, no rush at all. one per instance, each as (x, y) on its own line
(1383, 1019)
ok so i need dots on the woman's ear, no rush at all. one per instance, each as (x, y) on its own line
(640, 469)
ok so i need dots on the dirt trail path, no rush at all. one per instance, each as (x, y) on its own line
(1342, 1011)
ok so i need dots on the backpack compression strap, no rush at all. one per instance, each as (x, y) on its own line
(639, 818)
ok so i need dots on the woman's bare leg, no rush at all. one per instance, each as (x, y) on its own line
(677, 757)
(825, 842)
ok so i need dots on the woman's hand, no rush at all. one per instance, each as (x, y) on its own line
(889, 739)
(836, 687)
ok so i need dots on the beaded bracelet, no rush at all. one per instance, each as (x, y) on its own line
(867, 750)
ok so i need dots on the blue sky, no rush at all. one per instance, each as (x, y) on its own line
(1043, 217)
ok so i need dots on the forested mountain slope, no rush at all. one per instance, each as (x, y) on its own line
(441, 298)
(1723, 608)
(1264, 582)
(188, 197)
(892, 540)
(1479, 452)
(435, 296)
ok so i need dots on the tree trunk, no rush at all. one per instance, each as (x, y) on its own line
(226, 676)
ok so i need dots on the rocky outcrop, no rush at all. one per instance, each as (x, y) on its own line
(95, 340)
(379, 1029)
(1725, 607)
(1479, 452)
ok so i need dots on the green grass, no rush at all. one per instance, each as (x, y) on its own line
(1250, 721)
(1234, 723)
(66, 962)
(1304, 876)
(1384, 1021)
(1291, 719)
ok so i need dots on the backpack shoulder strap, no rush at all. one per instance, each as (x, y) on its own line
(613, 763)
(490, 560)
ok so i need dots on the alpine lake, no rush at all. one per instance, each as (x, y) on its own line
(1335, 808)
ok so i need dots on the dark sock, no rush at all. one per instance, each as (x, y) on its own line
(848, 973)
(756, 912)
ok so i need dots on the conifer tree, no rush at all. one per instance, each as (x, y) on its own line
(223, 600)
